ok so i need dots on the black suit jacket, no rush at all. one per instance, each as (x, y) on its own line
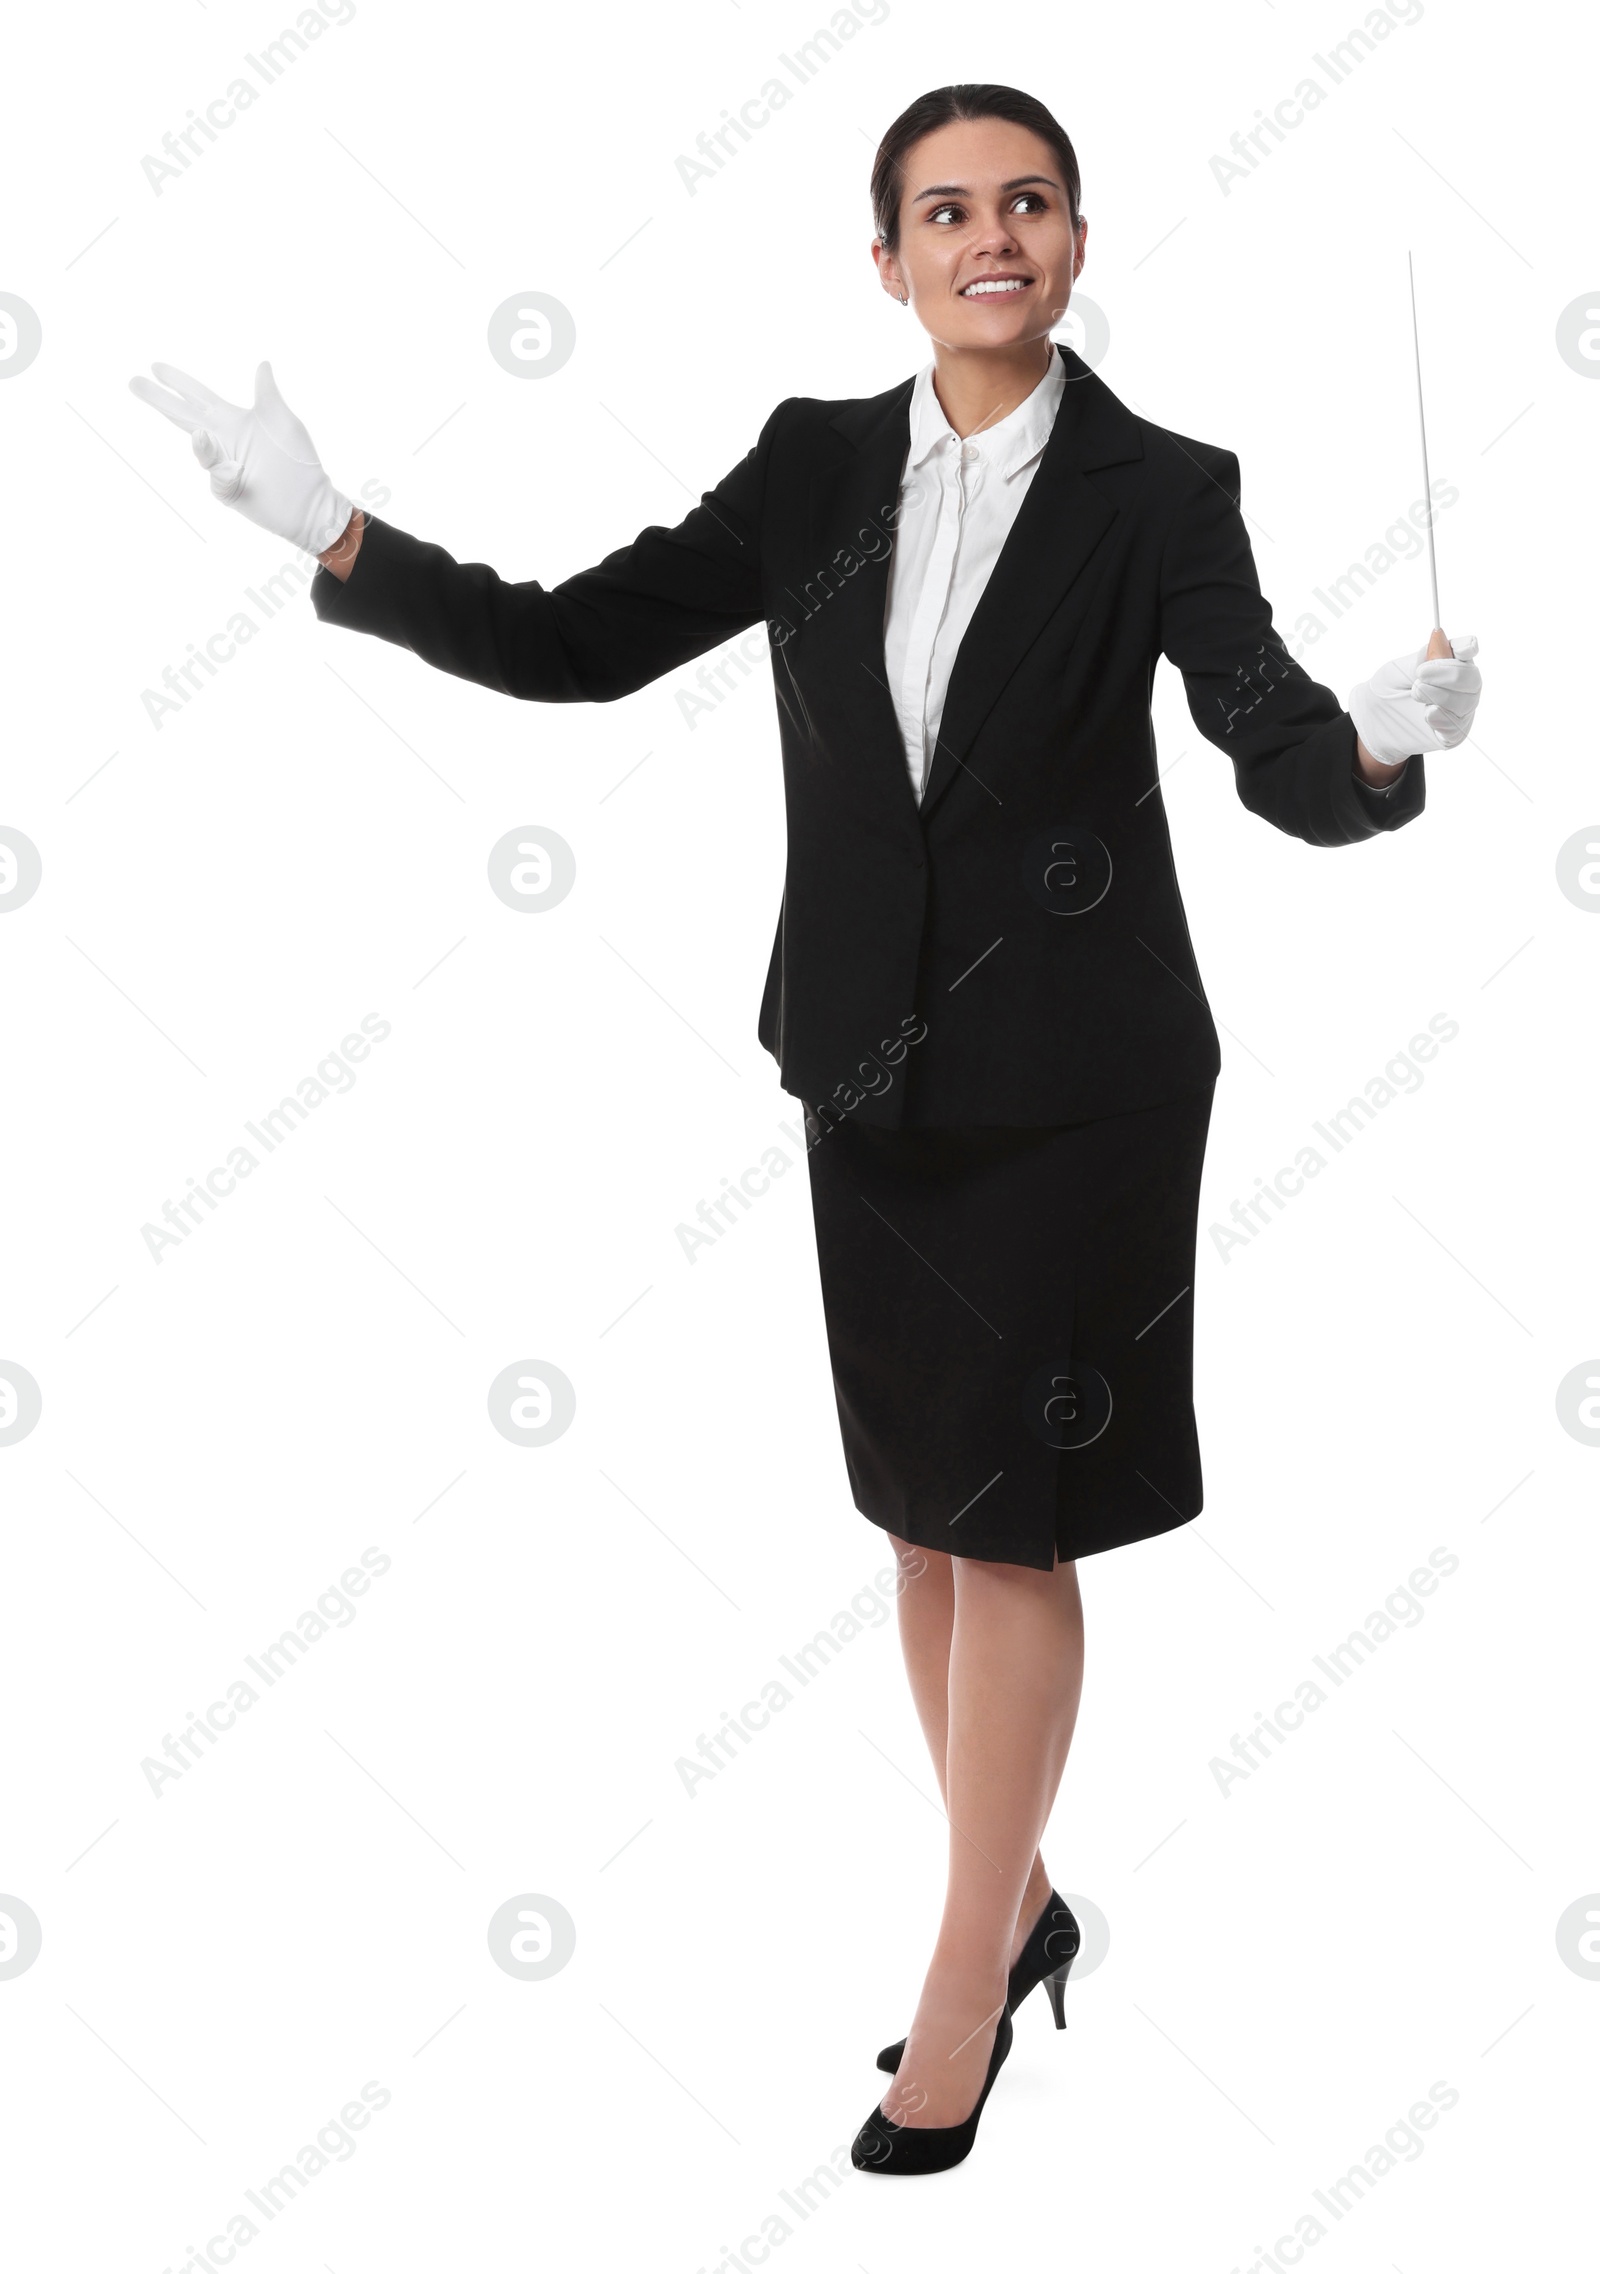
(1014, 949)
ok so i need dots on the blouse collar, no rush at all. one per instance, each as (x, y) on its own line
(1010, 443)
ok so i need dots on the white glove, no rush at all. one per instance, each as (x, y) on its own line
(1412, 704)
(262, 460)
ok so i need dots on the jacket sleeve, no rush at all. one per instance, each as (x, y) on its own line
(643, 610)
(1293, 747)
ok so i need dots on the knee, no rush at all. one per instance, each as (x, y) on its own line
(913, 1563)
(976, 1578)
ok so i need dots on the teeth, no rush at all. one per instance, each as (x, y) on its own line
(972, 291)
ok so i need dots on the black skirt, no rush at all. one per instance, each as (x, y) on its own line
(1010, 1320)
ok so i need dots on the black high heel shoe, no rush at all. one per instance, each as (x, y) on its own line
(1046, 1957)
(910, 2150)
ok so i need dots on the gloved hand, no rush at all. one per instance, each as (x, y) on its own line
(262, 461)
(1414, 703)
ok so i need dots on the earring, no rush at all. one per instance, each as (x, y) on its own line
(905, 299)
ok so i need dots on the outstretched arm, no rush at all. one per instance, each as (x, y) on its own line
(643, 610)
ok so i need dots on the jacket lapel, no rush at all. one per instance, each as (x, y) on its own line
(1061, 521)
(853, 504)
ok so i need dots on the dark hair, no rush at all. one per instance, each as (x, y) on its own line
(940, 108)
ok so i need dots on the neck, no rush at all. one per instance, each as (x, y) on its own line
(977, 387)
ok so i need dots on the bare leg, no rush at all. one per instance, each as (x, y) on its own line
(1015, 1674)
(927, 1615)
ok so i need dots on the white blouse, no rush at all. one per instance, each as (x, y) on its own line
(958, 501)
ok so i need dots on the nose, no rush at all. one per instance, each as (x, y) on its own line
(992, 233)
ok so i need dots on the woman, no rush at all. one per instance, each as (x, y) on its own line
(982, 987)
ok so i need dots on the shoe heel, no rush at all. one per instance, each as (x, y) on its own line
(1055, 1987)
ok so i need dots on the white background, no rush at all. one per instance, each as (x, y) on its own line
(1292, 1964)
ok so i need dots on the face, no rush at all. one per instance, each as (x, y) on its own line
(983, 205)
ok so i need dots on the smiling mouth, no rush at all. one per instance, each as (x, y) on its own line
(994, 287)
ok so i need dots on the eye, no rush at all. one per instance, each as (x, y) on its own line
(1034, 200)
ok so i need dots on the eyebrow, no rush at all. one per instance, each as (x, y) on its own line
(960, 189)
